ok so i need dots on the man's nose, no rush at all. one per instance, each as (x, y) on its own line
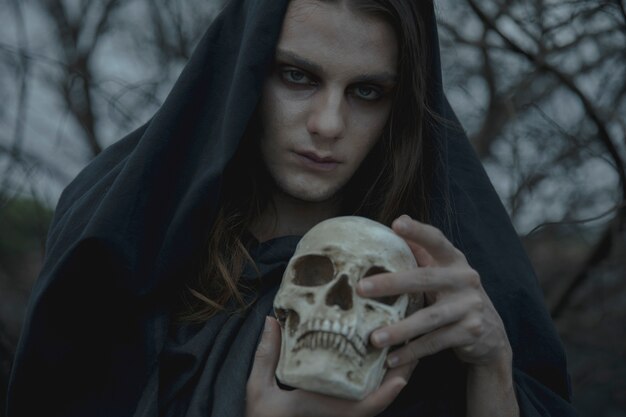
(327, 115)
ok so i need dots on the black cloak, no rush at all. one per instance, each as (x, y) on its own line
(98, 339)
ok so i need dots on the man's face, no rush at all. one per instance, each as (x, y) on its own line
(327, 100)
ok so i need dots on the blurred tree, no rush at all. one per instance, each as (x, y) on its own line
(75, 75)
(541, 87)
(78, 74)
(23, 225)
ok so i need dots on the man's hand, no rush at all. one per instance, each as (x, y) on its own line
(459, 315)
(264, 398)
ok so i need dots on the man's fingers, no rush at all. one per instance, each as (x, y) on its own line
(427, 279)
(392, 384)
(267, 353)
(428, 237)
(425, 320)
(310, 404)
(262, 385)
(429, 344)
(421, 255)
(377, 401)
(403, 372)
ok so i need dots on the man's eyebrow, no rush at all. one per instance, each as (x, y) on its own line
(384, 77)
(283, 55)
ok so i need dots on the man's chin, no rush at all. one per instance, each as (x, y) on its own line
(312, 196)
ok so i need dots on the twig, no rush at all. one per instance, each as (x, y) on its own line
(593, 113)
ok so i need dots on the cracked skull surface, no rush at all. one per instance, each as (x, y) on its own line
(325, 325)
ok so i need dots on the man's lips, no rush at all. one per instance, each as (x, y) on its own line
(317, 162)
(317, 158)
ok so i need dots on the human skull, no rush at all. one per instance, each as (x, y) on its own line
(326, 326)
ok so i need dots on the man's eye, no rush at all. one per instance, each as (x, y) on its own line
(295, 76)
(367, 93)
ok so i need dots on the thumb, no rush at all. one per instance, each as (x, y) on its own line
(267, 353)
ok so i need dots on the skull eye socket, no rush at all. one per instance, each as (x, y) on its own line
(389, 300)
(313, 271)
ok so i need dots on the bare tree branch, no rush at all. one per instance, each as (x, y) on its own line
(622, 9)
(593, 113)
(103, 21)
(21, 114)
(77, 87)
(599, 254)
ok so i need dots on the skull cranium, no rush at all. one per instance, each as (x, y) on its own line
(326, 325)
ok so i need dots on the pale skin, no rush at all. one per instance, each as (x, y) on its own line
(331, 96)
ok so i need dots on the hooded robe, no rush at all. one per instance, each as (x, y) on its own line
(99, 340)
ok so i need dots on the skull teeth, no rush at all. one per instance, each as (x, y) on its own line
(324, 340)
(326, 326)
(336, 327)
(329, 327)
(324, 334)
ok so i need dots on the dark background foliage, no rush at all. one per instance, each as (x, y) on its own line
(540, 86)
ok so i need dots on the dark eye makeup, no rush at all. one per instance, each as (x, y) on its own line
(297, 78)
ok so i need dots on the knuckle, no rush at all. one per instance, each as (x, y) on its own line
(431, 346)
(393, 281)
(411, 354)
(460, 255)
(427, 275)
(387, 288)
(440, 241)
(408, 353)
(263, 351)
(469, 349)
(473, 279)
(478, 304)
(437, 315)
(434, 316)
(475, 327)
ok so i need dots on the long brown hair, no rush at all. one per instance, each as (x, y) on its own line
(391, 181)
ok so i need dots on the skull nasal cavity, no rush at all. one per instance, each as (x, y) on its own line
(340, 294)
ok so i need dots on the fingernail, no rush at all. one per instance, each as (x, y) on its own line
(381, 338)
(392, 361)
(366, 286)
(401, 384)
(267, 327)
(402, 224)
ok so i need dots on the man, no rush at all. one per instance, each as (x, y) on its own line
(349, 121)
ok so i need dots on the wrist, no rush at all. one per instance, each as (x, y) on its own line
(490, 388)
(499, 368)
